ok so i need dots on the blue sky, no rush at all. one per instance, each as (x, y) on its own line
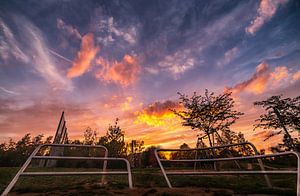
(99, 60)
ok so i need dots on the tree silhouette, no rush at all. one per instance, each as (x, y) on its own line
(209, 113)
(90, 136)
(114, 140)
(283, 115)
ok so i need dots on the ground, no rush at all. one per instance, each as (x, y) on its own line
(148, 182)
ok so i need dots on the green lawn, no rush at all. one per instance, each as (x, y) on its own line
(146, 180)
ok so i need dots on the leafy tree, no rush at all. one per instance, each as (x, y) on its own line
(14, 154)
(90, 136)
(134, 152)
(231, 137)
(183, 154)
(209, 113)
(283, 115)
(114, 140)
(135, 146)
(148, 157)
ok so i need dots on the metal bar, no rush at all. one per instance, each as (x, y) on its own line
(230, 158)
(103, 180)
(78, 158)
(258, 157)
(298, 175)
(261, 165)
(162, 168)
(15, 179)
(104, 172)
(72, 173)
(231, 172)
(229, 145)
(129, 173)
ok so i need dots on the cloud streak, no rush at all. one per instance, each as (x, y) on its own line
(8, 91)
(9, 46)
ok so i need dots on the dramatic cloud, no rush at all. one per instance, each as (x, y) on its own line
(43, 63)
(158, 114)
(70, 30)
(265, 79)
(265, 12)
(9, 46)
(26, 44)
(123, 72)
(257, 83)
(84, 57)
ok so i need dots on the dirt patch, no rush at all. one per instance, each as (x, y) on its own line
(139, 192)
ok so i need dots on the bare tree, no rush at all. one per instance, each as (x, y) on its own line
(209, 113)
(283, 115)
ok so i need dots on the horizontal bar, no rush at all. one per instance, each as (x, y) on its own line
(231, 172)
(207, 148)
(77, 158)
(73, 173)
(229, 158)
(74, 145)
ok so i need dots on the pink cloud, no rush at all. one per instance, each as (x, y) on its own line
(266, 10)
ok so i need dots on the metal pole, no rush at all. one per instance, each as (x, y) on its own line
(162, 168)
(261, 165)
(298, 171)
(129, 173)
(103, 181)
(15, 179)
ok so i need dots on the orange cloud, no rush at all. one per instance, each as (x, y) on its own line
(296, 76)
(280, 73)
(84, 57)
(256, 84)
(262, 79)
(123, 72)
(127, 104)
(158, 114)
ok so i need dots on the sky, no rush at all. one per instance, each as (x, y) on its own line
(102, 60)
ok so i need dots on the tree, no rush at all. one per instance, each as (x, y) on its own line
(114, 140)
(283, 115)
(90, 136)
(209, 113)
(231, 137)
(183, 154)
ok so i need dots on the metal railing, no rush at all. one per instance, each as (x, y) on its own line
(22, 172)
(245, 172)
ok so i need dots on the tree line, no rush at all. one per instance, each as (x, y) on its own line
(209, 114)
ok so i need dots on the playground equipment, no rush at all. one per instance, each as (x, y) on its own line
(22, 171)
(240, 171)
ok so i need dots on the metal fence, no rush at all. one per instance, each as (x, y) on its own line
(22, 172)
(245, 172)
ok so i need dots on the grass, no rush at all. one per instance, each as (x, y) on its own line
(146, 181)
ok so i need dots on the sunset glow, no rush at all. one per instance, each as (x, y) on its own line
(128, 59)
